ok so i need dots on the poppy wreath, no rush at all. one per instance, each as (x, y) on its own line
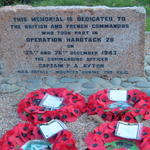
(103, 138)
(73, 106)
(22, 133)
(138, 110)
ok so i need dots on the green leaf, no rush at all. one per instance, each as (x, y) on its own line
(139, 118)
(122, 144)
(107, 110)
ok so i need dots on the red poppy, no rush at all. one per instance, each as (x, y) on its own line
(73, 106)
(128, 117)
(104, 134)
(145, 144)
(135, 95)
(147, 114)
(24, 132)
(98, 103)
(64, 146)
(94, 143)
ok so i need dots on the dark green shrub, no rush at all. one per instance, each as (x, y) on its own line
(12, 2)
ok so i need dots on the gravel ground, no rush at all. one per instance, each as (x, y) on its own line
(8, 113)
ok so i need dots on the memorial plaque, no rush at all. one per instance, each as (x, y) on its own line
(72, 41)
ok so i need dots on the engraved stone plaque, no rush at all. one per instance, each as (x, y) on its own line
(74, 41)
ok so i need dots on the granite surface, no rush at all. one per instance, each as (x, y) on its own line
(74, 41)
